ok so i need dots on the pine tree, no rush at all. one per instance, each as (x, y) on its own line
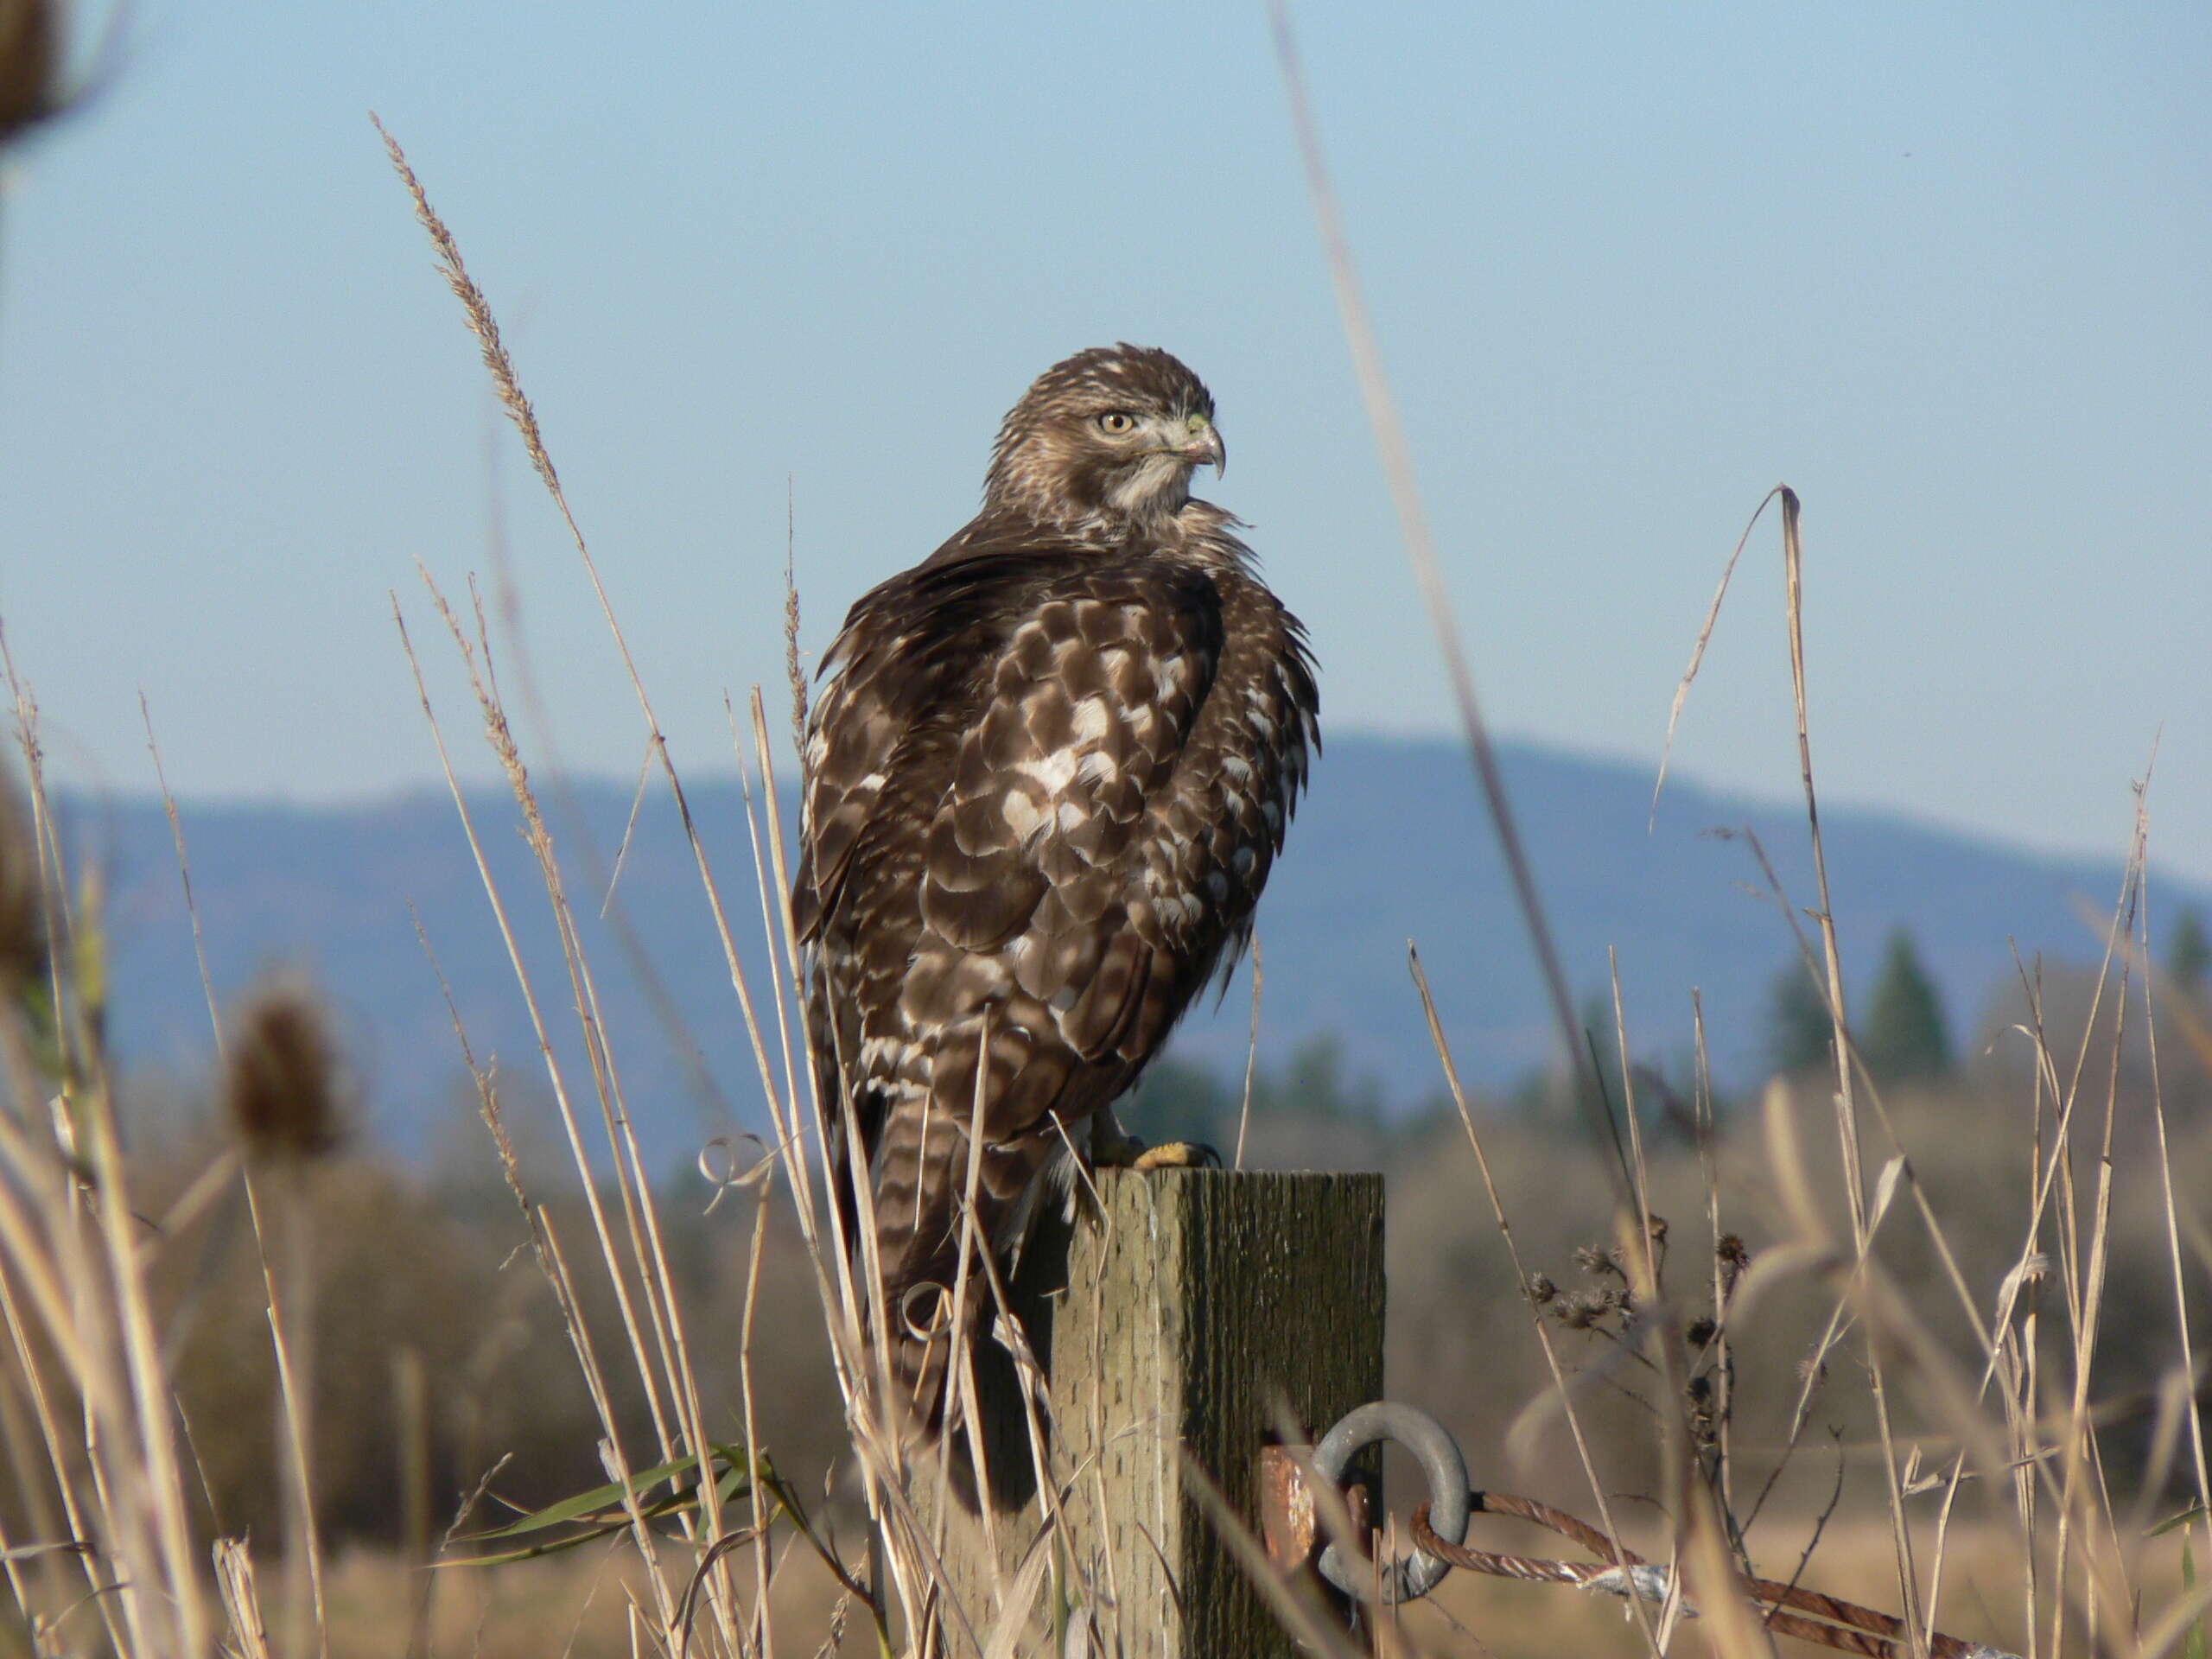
(2188, 952)
(1801, 1037)
(1904, 1037)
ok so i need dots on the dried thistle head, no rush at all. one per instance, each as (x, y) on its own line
(22, 912)
(282, 1087)
(30, 65)
(1704, 1421)
(1540, 1289)
(1599, 1262)
(1733, 1257)
(1582, 1311)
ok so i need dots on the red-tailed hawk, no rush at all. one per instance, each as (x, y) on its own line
(1046, 776)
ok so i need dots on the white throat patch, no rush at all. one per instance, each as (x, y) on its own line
(1155, 486)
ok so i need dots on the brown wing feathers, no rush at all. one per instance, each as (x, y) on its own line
(1048, 776)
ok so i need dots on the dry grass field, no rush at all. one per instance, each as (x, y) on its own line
(580, 1606)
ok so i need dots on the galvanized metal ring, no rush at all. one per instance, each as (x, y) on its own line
(1412, 1576)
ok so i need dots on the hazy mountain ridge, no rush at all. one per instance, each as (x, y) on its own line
(1391, 845)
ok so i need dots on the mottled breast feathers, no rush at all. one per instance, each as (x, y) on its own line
(1047, 774)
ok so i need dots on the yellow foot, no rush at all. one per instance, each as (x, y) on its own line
(1178, 1154)
(1111, 1148)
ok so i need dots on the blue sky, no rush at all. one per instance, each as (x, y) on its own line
(1946, 270)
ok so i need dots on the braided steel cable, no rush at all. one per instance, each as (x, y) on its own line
(1790, 1609)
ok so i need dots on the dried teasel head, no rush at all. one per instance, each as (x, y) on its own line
(30, 64)
(22, 914)
(283, 1086)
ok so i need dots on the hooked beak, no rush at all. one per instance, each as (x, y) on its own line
(1206, 449)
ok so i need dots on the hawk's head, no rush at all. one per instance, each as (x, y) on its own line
(1113, 432)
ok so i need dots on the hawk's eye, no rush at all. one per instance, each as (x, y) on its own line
(1117, 422)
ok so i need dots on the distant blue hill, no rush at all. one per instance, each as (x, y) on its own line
(1391, 845)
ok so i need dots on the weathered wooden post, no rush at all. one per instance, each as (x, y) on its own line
(1178, 1326)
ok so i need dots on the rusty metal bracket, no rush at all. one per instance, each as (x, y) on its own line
(1290, 1521)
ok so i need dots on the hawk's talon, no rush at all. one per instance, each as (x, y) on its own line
(1112, 1149)
(1179, 1154)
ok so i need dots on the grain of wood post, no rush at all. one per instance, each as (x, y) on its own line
(1181, 1314)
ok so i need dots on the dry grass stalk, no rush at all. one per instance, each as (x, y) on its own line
(73, 1277)
(792, 672)
(617, 1260)
(2185, 1343)
(852, 1302)
(282, 1088)
(2009, 1350)
(481, 322)
(1251, 1053)
(234, 1583)
(1564, 1392)
(2076, 1486)
(673, 1371)
(484, 325)
(1846, 1115)
(1863, 1218)
(1412, 522)
(1704, 639)
(56, 924)
(2084, 1283)
(184, 873)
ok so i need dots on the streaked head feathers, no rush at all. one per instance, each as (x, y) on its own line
(1109, 436)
